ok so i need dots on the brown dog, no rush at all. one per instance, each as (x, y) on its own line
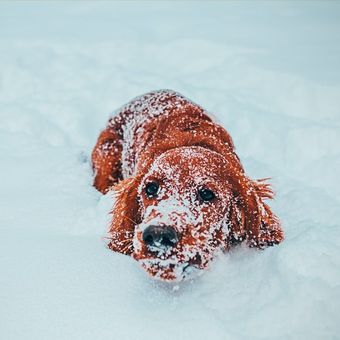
(181, 192)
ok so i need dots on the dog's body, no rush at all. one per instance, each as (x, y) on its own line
(182, 194)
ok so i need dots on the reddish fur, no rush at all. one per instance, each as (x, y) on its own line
(182, 123)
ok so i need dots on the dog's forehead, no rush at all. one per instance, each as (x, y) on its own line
(192, 161)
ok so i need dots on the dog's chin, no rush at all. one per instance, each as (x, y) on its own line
(169, 270)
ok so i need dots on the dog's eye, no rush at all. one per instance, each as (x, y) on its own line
(206, 195)
(151, 189)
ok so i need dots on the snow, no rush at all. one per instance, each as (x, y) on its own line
(270, 74)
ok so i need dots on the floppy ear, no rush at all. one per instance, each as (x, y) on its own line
(237, 220)
(125, 216)
(252, 219)
(265, 229)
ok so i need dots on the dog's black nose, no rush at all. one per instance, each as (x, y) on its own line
(160, 236)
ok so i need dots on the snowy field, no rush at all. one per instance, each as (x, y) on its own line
(269, 72)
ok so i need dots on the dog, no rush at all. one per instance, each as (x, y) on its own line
(181, 193)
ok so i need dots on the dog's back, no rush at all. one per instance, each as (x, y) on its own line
(160, 117)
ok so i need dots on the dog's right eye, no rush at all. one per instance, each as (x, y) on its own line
(206, 195)
(151, 189)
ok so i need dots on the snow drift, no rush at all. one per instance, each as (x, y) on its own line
(271, 77)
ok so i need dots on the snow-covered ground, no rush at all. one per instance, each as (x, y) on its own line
(270, 73)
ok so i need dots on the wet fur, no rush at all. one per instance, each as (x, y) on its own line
(162, 121)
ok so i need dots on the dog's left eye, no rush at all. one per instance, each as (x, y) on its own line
(151, 189)
(206, 195)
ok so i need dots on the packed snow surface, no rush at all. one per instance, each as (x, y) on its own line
(269, 72)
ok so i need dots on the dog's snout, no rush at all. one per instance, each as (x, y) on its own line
(160, 236)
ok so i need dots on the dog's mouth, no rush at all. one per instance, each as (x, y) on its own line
(173, 268)
(170, 270)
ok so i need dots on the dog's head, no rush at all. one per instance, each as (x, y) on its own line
(190, 205)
